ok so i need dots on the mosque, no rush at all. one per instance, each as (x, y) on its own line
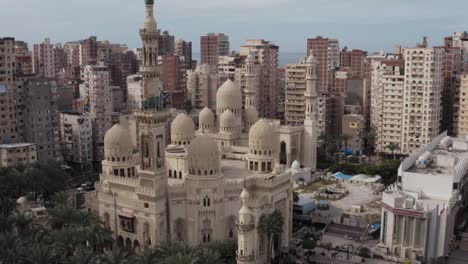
(205, 184)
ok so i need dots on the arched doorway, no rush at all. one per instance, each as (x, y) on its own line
(136, 246)
(120, 242)
(128, 244)
(283, 155)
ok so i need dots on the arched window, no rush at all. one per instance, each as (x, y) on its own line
(175, 175)
(170, 173)
(180, 174)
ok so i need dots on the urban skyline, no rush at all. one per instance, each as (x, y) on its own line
(389, 23)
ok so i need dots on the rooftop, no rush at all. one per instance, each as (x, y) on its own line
(16, 145)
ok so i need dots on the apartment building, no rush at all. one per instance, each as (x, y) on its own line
(295, 87)
(213, 45)
(202, 84)
(327, 53)
(16, 154)
(266, 54)
(77, 139)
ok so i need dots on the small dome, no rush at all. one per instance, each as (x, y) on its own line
(203, 156)
(251, 116)
(262, 136)
(206, 119)
(244, 194)
(22, 200)
(296, 165)
(118, 142)
(250, 59)
(227, 119)
(229, 96)
(311, 59)
(182, 130)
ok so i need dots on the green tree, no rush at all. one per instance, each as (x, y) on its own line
(271, 225)
(369, 139)
(147, 257)
(393, 147)
(226, 249)
(84, 256)
(208, 256)
(346, 138)
(296, 196)
(117, 256)
(40, 253)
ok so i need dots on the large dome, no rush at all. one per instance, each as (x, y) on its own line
(229, 96)
(182, 130)
(206, 120)
(203, 156)
(262, 137)
(118, 143)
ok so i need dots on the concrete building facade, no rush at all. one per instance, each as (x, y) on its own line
(213, 45)
(16, 154)
(77, 139)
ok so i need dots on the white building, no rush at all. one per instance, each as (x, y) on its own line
(418, 214)
(422, 103)
(77, 139)
(213, 184)
(134, 93)
(16, 154)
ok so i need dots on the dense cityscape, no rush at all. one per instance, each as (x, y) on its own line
(152, 155)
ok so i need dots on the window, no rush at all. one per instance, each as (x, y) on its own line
(127, 224)
(146, 205)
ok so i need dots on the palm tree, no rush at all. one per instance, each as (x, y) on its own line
(325, 142)
(63, 215)
(67, 240)
(181, 258)
(116, 256)
(226, 249)
(11, 247)
(346, 138)
(272, 226)
(208, 256)
(147, 257)
(22, 222)
(97, 237)
(169, 248)
(393, 147)
(369, 141)
(41, 253)
(84, 256)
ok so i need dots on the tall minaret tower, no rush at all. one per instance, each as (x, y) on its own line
(151, 125)
(310, 121)
(149, 68)
(245, 232)
(250, 82)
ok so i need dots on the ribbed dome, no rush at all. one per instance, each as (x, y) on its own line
(229, 96)
(250, 116)
(206, 119)
(203, 156)
(117, 142)
(182, 130)
(262, 136)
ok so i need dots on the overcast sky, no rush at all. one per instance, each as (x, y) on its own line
(367, 24)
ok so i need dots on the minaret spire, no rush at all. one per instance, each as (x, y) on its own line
(310, 121)
(149, 68)
(250, 82)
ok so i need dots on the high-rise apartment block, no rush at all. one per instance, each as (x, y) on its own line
(134, 93)
(17, 154)
(461, 119)
(406, 106)
(47, 59)
(422, 104)
(266, 54)
(387, 91)
(42, 117)
(355, 60)
(184, 49)
(212, 46)
(327, 53)
(97, 93)
(295, 86)
(77, 139)
(202, 84)
(166, 43)
(9, 118)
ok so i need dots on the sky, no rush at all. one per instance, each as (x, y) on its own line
(372, 25)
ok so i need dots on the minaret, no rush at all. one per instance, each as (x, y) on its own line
(310, 121)
(250, 82)
(149, 68)
(245, 232)
(151, 125)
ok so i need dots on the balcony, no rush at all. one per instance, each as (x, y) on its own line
(245, 227)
